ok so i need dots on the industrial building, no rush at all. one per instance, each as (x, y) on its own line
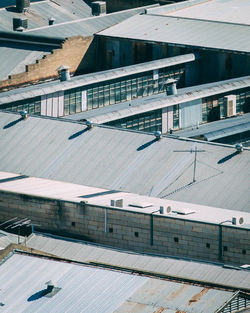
(186, 27)
(56, 285)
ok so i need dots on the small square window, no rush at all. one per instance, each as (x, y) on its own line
(176, 239)
(208, 245)
(111, 230)
(73, 224)
(244, 251)
(225, 248)
(136, 234)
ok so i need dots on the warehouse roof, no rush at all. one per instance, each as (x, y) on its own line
(183, 32)
(233, 11)
(179, 268)
(40, 12)
(20, 52)
(87, 26)
(239, 123)
(88, 79)
(124, 160)
(159, 101)
(81, 288)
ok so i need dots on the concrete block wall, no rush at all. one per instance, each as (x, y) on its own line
(71, 54)
(130, 230)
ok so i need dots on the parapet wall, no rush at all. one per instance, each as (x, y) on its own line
(71, 54)
(135, 231)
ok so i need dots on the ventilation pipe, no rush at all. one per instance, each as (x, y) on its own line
(20, 23)
(51, 20)
(22, 5)
(63, 72)
(171, 87)
(50, 286)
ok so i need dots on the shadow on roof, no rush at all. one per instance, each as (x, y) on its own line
(38, 295)
(228, 157)
(78, 133)
(12, 123)
(146, 145)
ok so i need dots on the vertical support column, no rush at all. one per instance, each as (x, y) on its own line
(106, 220)
(164, 119)
(84, 100)
(151, 230)
(220, 253)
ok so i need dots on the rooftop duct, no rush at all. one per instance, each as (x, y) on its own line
(117, 203)
(50, 286)
(20, 23)
(171, 87)
(22, 5)
(63, 72)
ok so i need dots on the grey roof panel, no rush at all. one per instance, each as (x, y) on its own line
(183, 31)
(55, 149)
(212, 127)
(182, 268)
(82, 289)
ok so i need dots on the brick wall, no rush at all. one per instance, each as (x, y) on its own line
(76, 52)
(130, 230)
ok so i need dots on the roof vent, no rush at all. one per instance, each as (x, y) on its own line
(22, 5)
(51, 20)
(24, 114)
(141, 205)
(237, 220)
(98, 8)
(239, 147)
(117, 203)
(20, 23)
(63, 72)
(158, 135)
(89, 124)
(184, 211)
(165, 210)
(171, 87)
(50, 286)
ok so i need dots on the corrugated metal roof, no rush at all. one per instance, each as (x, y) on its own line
(83, 289)
(181, 268)
(154, 102)
(233, 11)
(87, 26)
(183, 31)
(124, 160)
(215, 126)
(18, 57)
(8, 238)
(39, 13)
(87, 79)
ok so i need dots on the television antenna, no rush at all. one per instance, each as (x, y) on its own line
(195, 151)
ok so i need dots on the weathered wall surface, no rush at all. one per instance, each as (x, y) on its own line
(130, 230)
(78, 53)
